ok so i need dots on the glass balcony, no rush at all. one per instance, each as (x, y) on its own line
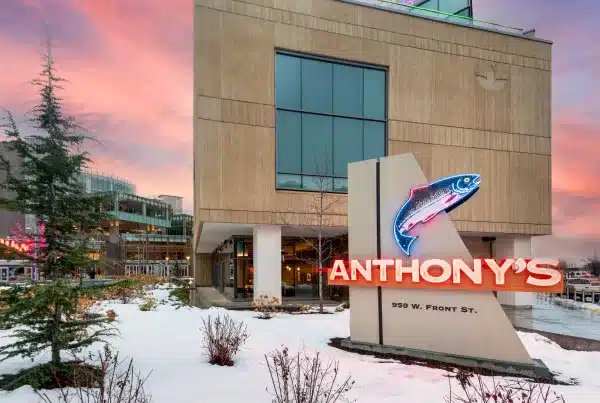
(137, 209)
(454, 11)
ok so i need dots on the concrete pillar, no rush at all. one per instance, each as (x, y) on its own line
(514, 247)
(267, 260)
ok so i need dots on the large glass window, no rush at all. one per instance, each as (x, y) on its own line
(328, 115)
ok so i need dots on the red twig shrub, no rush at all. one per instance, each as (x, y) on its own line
(113, 381)
(222, 338)
(473, 389)
(303, 379)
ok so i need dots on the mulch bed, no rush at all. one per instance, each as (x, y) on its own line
(336, 342)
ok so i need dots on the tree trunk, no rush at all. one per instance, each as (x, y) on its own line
(55, 331)
(320, 272)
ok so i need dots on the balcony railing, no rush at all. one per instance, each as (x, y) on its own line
(396, 5)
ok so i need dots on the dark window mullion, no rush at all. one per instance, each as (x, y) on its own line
(331, 115)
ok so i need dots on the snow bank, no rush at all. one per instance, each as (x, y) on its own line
(167, 342)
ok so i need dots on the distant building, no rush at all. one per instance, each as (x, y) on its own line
(144, 235)
(9, 220)
(176, 202)
(99, 182)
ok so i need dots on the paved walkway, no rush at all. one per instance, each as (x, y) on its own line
(549, 317)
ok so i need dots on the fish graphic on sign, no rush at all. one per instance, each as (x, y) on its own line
(425, 202)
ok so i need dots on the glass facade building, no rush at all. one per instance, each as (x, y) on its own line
(94, 183)
(328, 114)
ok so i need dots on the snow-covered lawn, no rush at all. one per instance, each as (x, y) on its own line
(167, 342)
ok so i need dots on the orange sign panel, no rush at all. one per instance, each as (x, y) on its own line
(518, 275)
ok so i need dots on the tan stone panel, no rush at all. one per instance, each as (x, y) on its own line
(453, 103)
(266, 3)
(292, 38)
(248, 59)
(492, 98)
(207, 51)
(411, 83)
(202, 269)
(422, 153)
(530, 101)
(460, 137)
(248, 166)
(209, 108)
(335, 10)
(324, 43)
(248, 113)
(531, 189)
(208, 165)
(364, 50)
(303, 7)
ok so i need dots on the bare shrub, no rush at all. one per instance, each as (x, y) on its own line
(304, 379)
(111, 315)
(115, 381)
(222, 338)
(265, 307)
(473, 389)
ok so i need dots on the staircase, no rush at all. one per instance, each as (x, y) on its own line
(114, 267)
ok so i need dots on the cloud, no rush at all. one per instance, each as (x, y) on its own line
(129, 66)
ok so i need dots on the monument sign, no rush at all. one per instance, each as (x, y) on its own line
(414, 287)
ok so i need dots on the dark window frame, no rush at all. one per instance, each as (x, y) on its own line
(340, 61)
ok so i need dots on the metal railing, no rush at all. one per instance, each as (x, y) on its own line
(458, 19)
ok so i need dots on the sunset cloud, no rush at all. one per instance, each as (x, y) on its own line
(129, 66)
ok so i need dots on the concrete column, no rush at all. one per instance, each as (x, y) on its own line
(267, 260)
(513, 247)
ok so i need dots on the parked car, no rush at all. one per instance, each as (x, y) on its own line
(585, 285)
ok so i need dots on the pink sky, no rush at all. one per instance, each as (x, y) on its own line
(129, 66)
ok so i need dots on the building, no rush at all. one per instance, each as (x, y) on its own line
(176, 202)
(9, 220)
(289, 91)
(143, 236)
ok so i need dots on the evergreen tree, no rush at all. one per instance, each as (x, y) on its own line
(177, 272)
(48, 186)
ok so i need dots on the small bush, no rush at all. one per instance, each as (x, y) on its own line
(88, 308)
(346, 304)
(265, 307)
(473, 389)
(114, 381)
(304, 379)
(149, 305)
(181, 294)
(111, 315)
(222, 338)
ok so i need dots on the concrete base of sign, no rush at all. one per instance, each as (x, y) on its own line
(537, 369)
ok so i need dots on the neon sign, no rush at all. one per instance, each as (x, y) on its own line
(25, 243)
(21, 247)
(518, 275)
(425, 202)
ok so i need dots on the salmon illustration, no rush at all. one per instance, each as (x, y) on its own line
(425, 202)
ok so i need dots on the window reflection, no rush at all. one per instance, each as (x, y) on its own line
(328, 114)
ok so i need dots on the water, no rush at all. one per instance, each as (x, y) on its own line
(548, 317)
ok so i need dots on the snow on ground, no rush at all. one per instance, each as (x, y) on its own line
(167, 342)
(569, 303)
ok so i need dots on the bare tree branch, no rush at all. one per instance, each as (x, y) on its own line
(318, 219)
